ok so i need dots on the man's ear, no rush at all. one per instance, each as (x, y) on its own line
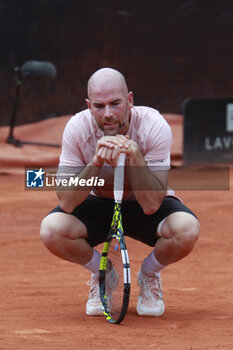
(130, 99)
(88, 103)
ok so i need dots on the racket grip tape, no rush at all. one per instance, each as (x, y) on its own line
(119, 178)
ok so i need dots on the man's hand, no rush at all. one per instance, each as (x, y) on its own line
(109, 147)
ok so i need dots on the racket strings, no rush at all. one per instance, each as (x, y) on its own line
(115, 279)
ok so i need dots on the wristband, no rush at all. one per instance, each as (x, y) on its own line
(98, 166)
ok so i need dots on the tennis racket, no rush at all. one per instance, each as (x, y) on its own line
(114, 272)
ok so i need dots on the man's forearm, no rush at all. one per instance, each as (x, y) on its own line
(76, 194)
(149, 187)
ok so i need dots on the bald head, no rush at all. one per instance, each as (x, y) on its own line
(106, 78)
(109, 101)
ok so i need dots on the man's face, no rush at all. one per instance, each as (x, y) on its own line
(110, 105)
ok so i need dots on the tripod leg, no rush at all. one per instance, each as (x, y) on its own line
(10, 138)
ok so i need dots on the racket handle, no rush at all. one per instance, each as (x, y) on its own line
(118, 188)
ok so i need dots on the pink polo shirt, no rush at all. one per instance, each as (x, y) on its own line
(147, 128)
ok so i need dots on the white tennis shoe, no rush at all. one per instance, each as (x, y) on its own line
(150, 299)
(93, 305)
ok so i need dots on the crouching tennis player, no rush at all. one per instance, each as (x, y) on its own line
(152, 214)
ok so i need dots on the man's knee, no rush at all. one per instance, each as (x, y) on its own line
(186, 233)
(184, 229)
(57, 227)
(49, 232)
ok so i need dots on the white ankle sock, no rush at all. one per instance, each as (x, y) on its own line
(94, 263)
(151, 264)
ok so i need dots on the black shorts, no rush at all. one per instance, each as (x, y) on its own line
(96, 213)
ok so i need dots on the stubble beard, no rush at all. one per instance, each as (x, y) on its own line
(114, 132)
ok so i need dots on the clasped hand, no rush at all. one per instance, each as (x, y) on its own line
(109, 147)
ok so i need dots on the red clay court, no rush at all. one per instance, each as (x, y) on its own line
(43, 298)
